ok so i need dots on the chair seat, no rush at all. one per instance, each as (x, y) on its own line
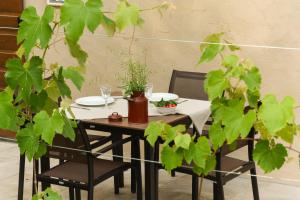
(77, 172)
(98, 140)
(229, 164)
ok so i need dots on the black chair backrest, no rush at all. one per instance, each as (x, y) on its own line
(65, 149)
(188, 85)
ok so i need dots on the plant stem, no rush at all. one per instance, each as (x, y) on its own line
(200, 186)
(131, 41)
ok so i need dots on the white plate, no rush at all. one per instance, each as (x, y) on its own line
(164, 96)
(93, 101)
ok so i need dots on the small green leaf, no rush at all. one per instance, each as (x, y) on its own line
(25, 76)
(252, 79)
(109, 26)
(8, 112)
(230, 61)
(127, 14)
(201, 152)
(269, 157)
(153, 131)
(68, 129)
(74, 75)
(77, 52)
(37, 101)
(189, 153)
(77, 14)
(61, 84)
(48, 126)
(253, 97)
(210, 165)
(170, 158)
(287, 133)
(276, 115)
(34, 28)
(215, 83)
(183, 140)
(211, 48)
(217, 135)
(28, 141)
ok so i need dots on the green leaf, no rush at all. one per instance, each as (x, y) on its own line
(287, 133)
(127, 14)
(269, 157)
(8, 112)
(217, 135)
(25, 76)
(34, 28)
(38, 101)
(189, 153)
(210, 49)
(252, 79)
(42, 149)
(253, 97)
(77, 52)
(209, 166)
(153, 131)
(183, 140)
(28, 141)
(109, 26)
(77, 14)
(232, 47)
(230, 61)
(169, 134)
(276, 115)
(74, 75)
(201, 152)
(51, 195)
(215, 83)
(61, 84)
(68, 129)
(170, 158)
(47, 126)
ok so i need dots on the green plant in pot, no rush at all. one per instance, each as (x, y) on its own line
(134, 84)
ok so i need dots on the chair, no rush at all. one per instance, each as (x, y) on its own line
(81, 170)
(190, 85)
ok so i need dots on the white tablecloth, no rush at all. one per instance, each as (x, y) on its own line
(198, 110)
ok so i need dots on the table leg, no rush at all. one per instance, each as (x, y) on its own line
(151, 173)
(118, 151)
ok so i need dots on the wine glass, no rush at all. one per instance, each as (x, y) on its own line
(105, 92)
(148, 90)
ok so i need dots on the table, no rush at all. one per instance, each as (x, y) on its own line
(137, 131)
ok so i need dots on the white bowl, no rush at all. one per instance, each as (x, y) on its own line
(166, 111)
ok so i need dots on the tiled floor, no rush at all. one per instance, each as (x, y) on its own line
(177, 188)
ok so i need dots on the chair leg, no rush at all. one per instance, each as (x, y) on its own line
(77, 194)
(136, 178)
(21, 177)
(173, 173)
(135, 164)
(118, 151)
(116, 184)
(218, 191)
(34, 173)
(71, 193)
(254, 184)
(91, 194)
(195, 187)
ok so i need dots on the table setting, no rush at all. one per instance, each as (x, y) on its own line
(101, 107)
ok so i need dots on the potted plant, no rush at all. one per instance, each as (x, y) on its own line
(134, 83)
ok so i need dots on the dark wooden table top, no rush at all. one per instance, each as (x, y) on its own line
(170, 119)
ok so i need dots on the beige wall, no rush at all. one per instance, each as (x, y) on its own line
(268, 22)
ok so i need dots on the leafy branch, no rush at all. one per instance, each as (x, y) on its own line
(236, 107)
